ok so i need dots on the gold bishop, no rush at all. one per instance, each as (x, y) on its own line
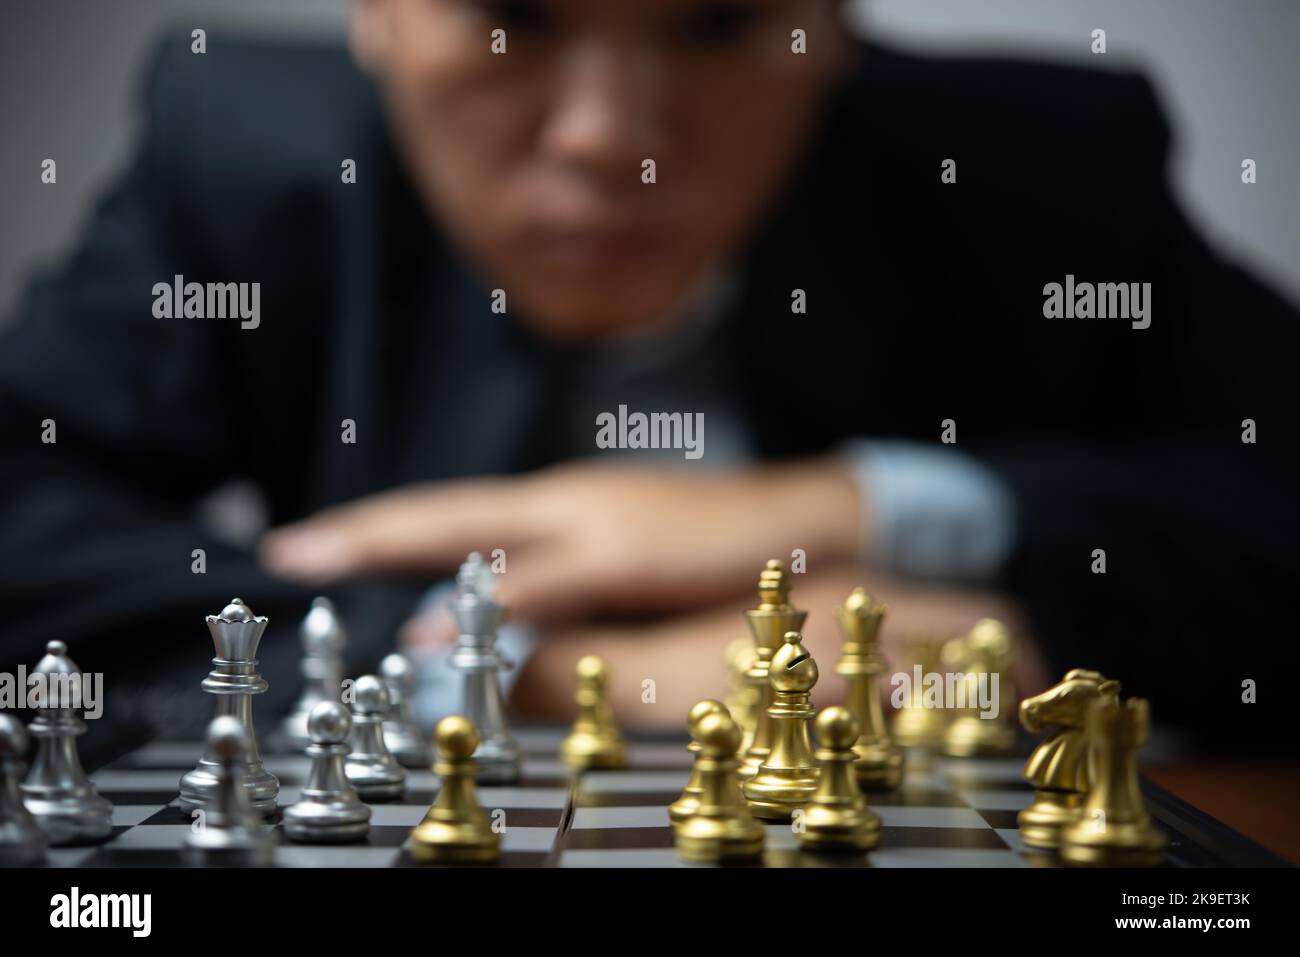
(787, 777)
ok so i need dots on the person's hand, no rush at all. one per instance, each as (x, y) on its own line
(586, 538)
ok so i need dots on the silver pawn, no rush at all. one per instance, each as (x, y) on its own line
(405, 740)
(476, 657)
(22, 842)
(330, 812)
(230, 832)
(323, 640)
(234, 680)
(57, 791)
(370, 767)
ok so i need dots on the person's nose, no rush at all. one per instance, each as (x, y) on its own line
(606, 115)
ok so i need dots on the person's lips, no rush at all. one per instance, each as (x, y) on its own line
(591, 248)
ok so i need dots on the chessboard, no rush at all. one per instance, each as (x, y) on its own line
(949, 813)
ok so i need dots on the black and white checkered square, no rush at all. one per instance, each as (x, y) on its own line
(949, 812)
(149, 826)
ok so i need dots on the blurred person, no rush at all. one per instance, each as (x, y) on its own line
(776, 173)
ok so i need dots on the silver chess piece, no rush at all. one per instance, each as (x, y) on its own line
(234, 680)
(323, 640)
(330, 811)
(370, 767)
(404, 738)
(57, 792)
(22, 842)
(475, 656)
(230, 832)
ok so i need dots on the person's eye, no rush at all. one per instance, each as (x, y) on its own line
(717, 23)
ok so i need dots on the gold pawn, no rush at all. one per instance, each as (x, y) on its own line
(1113, 828)
(594, 741)
(773, 617)
(1058, 767)
(787, 777)
(455, 830)
(837, 817)
(987, 650)
(880, 762)
(685, 805)
(915, 725)
(721, 828)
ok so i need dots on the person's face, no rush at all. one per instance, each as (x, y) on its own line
(532, 159)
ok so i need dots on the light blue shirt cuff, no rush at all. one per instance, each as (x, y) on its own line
(936, 512)
(439, 691)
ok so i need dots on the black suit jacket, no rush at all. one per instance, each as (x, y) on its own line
(925, 303)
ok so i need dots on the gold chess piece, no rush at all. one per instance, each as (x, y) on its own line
(1058, 768)
(456, 830)
(742, 698)
(837, 817)
(787, 777)
(773, 617)
(720, 829)
(879, 762)
(594, 741)
(921, 724)
(1113, 828)
(984, 655)
(685, 805)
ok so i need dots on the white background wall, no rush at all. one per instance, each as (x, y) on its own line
(1228, 73)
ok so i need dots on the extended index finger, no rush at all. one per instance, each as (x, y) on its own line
(422, 529)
